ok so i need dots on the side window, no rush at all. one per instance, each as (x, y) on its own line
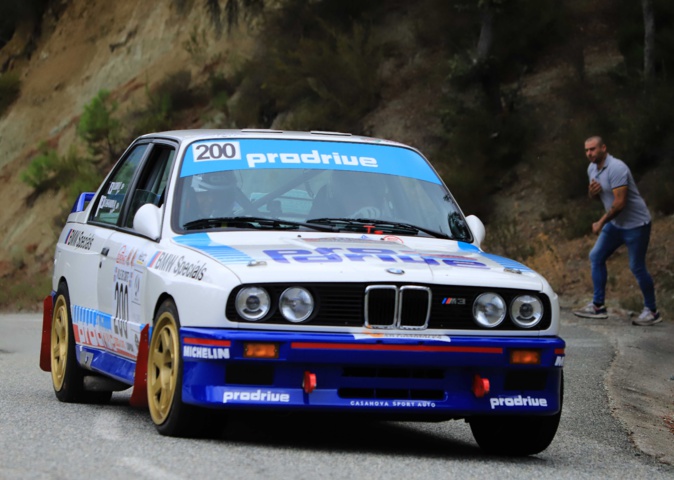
(151, 186)
(111, 199)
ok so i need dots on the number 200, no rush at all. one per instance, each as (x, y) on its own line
(217, 151)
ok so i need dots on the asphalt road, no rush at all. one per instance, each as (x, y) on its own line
(41, 438)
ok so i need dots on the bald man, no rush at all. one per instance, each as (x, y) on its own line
(627, 221)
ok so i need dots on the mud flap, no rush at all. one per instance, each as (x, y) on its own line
(47, 315)
(139, 395)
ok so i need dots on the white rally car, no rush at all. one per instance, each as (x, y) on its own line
(217, 270)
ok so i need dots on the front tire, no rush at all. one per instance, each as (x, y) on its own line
(516, 435)
(170, 415)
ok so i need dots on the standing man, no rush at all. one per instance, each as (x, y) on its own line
(626, 221)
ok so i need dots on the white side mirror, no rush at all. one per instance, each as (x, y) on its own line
(477, 227)
(147, 221)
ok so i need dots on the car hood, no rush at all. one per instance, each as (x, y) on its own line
(263, 257)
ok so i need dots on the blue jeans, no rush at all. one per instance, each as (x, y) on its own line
(636, 240)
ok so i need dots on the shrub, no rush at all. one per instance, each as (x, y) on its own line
(98, 128)
(42, 168)
(10, 87)
(47, 170)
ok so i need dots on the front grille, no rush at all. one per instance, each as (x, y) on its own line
(415, 307)
(381, 306)
(449, 307)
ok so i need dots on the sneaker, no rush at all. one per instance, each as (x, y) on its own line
(647, 318)
(591, 311)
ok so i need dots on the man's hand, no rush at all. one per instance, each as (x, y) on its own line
(619, 202)
(594, 189)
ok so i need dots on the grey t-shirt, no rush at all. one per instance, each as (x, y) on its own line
(614, 174)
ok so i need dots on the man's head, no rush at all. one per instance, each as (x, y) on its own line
(215, 192)
(595, 149)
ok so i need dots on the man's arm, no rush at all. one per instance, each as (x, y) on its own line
(619, 202)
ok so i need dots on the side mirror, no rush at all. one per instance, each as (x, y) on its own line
(147, 221)
(477, 227)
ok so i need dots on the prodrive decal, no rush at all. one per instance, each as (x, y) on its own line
(325, 255)
(245, 154)
(517, 401)
(255, 396)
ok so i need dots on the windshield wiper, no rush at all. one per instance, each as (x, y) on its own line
(357, 224)
(253, 222)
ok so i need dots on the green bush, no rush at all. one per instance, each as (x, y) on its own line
(10, 87)
(42, 168)
(48, 170)
(98, 128)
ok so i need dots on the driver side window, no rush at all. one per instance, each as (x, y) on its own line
(153, 180)
(109, 203)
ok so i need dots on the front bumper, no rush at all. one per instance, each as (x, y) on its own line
(399, 375)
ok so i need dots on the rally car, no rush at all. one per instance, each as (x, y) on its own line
(219, 270)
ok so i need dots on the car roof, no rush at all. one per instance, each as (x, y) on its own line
(197, 134)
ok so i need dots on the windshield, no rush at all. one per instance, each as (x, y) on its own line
(355, 187)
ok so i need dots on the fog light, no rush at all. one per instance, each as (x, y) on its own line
(525, 357)
(260, 350)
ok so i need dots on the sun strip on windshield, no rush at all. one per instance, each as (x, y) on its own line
(253, 154)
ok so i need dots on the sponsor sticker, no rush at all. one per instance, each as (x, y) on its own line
(79, 239)
(392, 403)
(517, 401)
(253, 154)
(257, 396)
(177, 265)
(339, 254)
(205, 353)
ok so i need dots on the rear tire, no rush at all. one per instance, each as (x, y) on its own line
(516, 435)
(67, 376)
(170, 415)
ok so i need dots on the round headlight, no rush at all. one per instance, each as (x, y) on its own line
(252, 303)
(489, 310)
(526, 311)
(296, 304)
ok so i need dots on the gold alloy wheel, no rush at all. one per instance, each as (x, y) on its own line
(59, 342)
(162, 367)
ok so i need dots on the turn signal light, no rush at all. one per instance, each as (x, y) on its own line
(260, 350)
(525, 357)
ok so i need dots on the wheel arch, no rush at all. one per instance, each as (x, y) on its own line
(162, 298)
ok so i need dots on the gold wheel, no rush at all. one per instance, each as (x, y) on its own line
(163, 366)
(59, 342)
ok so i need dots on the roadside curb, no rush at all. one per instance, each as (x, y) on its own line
(640, 380)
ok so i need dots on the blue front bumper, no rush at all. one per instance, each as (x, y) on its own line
(388, 375)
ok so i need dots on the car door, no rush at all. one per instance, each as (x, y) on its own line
(121, 275)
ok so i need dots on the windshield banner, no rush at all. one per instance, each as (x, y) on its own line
(247, 154)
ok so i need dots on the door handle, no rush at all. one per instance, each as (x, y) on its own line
(105, 251)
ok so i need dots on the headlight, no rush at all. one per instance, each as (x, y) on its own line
(296, 304)
(252, 303)
(526, 311)
(489, 310)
